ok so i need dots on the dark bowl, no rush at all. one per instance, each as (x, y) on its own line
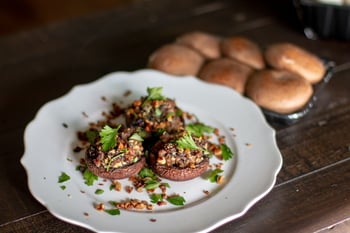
(321, 20)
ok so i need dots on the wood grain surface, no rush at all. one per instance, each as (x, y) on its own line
(312, 189)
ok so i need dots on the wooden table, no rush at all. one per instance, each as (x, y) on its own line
(312, 192)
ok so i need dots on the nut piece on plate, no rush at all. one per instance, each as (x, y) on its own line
(206, 44)
(176, 59)
(227, 72)
(244, 51)
(278, 90)
(295, 59)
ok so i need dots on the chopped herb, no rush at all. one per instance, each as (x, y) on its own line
(198, 129)
(226, 152)
(99, 191)
(213, 176)
(136, 137)
(63, 177)
(169, 115)
(113, 203)
(187, 142)
(155, 93)
(167, 185)
(176, 200)
(156, 197)
(80, 167)
(113, 211)
(151, 184)
(91, 136)
(109, 137)
(146, 172)
(121, 153)
(158, 112)
(63, 187)
(89, 177)
(178, 112)
(141, 133)
(112, 187)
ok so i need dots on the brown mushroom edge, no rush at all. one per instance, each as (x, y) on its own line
(116, 173)
(178, 174)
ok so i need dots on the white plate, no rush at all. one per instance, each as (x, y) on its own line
(250, 175)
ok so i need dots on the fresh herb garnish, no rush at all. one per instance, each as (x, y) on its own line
(63, 187)
(109, 137)
(156, 197)
(176, 200)
(113, 211)
(63, 177)
(167, 185)
(155, 93)
(213, 176)
(186, 142)
(198, 129)
(226, 152)
(136, 137)
(89, 177)
(113, 203)
(146, 172)
(121, 153)
(158, 112)
(91, 136)
(99, 191)
(151, 184)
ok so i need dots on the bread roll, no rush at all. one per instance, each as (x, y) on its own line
(176, 59)
(295, 59)
(227, 72)
(244, 51)
(278, 90)
(206, 44)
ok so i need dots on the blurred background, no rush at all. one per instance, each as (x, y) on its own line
(327, 20)
(17, 15)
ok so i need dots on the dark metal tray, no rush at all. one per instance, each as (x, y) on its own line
(295, 116)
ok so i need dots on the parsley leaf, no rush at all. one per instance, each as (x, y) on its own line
(113, 211)
(156, 197)
(187, 142)
(121, 153)
(213, 176)
(91, 136)
(226, 152)
(89, 177)
(176, 200)
(63, 177)
(198, 129)
(151, 184)
(99, 191)
(146, 172)
(155, 93)
(136, 137)
(109, 137)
